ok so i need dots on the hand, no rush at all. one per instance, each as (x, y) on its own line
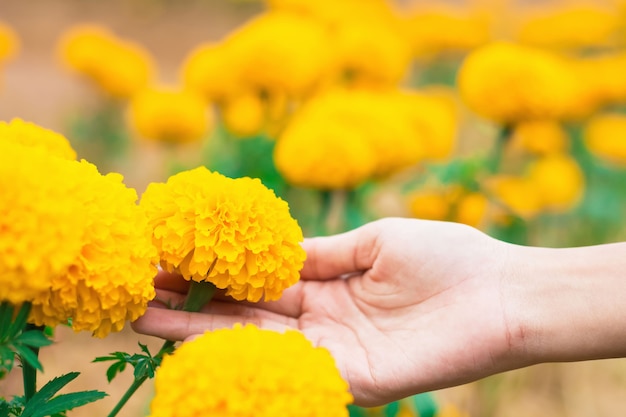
(403, 305)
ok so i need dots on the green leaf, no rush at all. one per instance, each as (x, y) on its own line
(34, 338)
(4, 408)
(114, 369)
(27, 355)
(425, 404)
(46, 392)
(392, 409)
(6, 316)
(7, 357)
(20, 320)
(67, 402)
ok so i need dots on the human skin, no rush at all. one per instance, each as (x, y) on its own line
(408, 306)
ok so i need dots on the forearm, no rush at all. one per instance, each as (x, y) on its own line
(568, 304)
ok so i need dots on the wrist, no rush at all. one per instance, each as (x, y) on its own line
(566, 304)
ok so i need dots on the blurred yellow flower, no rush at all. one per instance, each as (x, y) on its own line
(280, 52)
(9, 42)
(169, 115)
(244, 115)
(247, 371)
(119, 67)
(508, 83)
(517, 194)
(451, 410)
(32, 135)
(603, 77)
(202, 219)
(574, 26)
(472, 209)
(325, 156)
(210, 70)
(41, 221)
(436, 29)
(430, 205)
(559, 180)
(605, 137)
(110, 281)
(540, 137)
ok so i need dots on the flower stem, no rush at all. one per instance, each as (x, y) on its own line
(129, 393)
(29, 373)
(493, 164)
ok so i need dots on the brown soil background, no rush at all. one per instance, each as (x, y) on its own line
(36, 88)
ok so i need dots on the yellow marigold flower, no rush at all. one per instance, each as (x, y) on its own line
(268, 374)
(472, 209)
(605, 137)
(326, 156)
(441, 29)
(300, 46)
(451, 410)
(201, 218)
(430, 205)
(540, 137)
(42, 224)
(9, 42)
(517, 194)
(571, 27)
(31, 135)
(168, 115)
(210, 69)
(559, 181)
(118, 67)
(244, 115)
(508, 83)
(603, 75)
(110, 279)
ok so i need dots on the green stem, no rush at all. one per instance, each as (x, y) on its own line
(29, 373)
(332, 213)
(497, 154)
(199, 294)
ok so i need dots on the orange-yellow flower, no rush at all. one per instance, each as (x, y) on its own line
(32, 135)
(540, 137)
(516, 194)
(9, 42)
(559, 181)
(605, 137)
(169, 115)
(234, 233)
(246, 371)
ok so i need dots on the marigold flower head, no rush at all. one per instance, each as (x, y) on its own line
(602, 75)
(605, 137)
(559, 181)
(267, 374)
(517, 194)
(168, 115)
(118, 67)
(507, 83)
(9, 42)
(32, 135)
(234, 233)
(244, 115)
(299, 44)
(574, 26)
(40, 220)
(540, 137)
(441, 29)
(110, 279)
(326, 156)
(430, 204)
(472, 209)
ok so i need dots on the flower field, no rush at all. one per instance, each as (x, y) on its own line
(209, 137)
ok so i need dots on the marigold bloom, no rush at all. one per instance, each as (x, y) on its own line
(603, 77)
(519, 195)
(508, 83)
(37, 214)
(268, 374)
(244, 115)
(540, 137)
(605, 137)
(471, 209)
(118, 67)
(571, 27)
(325, 156)
(31, 135)
(430, 205)
(559, 181)
(9, 42)
(444, 29)
(201, 218)
(110, 279)
(168, 115)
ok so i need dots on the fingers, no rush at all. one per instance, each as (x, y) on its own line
(345, 253)
(180, 325)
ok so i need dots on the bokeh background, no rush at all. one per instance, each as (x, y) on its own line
(492, 148)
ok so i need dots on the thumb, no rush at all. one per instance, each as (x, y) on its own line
(345, 253)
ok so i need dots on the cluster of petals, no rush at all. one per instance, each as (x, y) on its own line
(75, 244)
(234, 233)
(343, 138)
(117, 66)
(604, 137)
(247, 371)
